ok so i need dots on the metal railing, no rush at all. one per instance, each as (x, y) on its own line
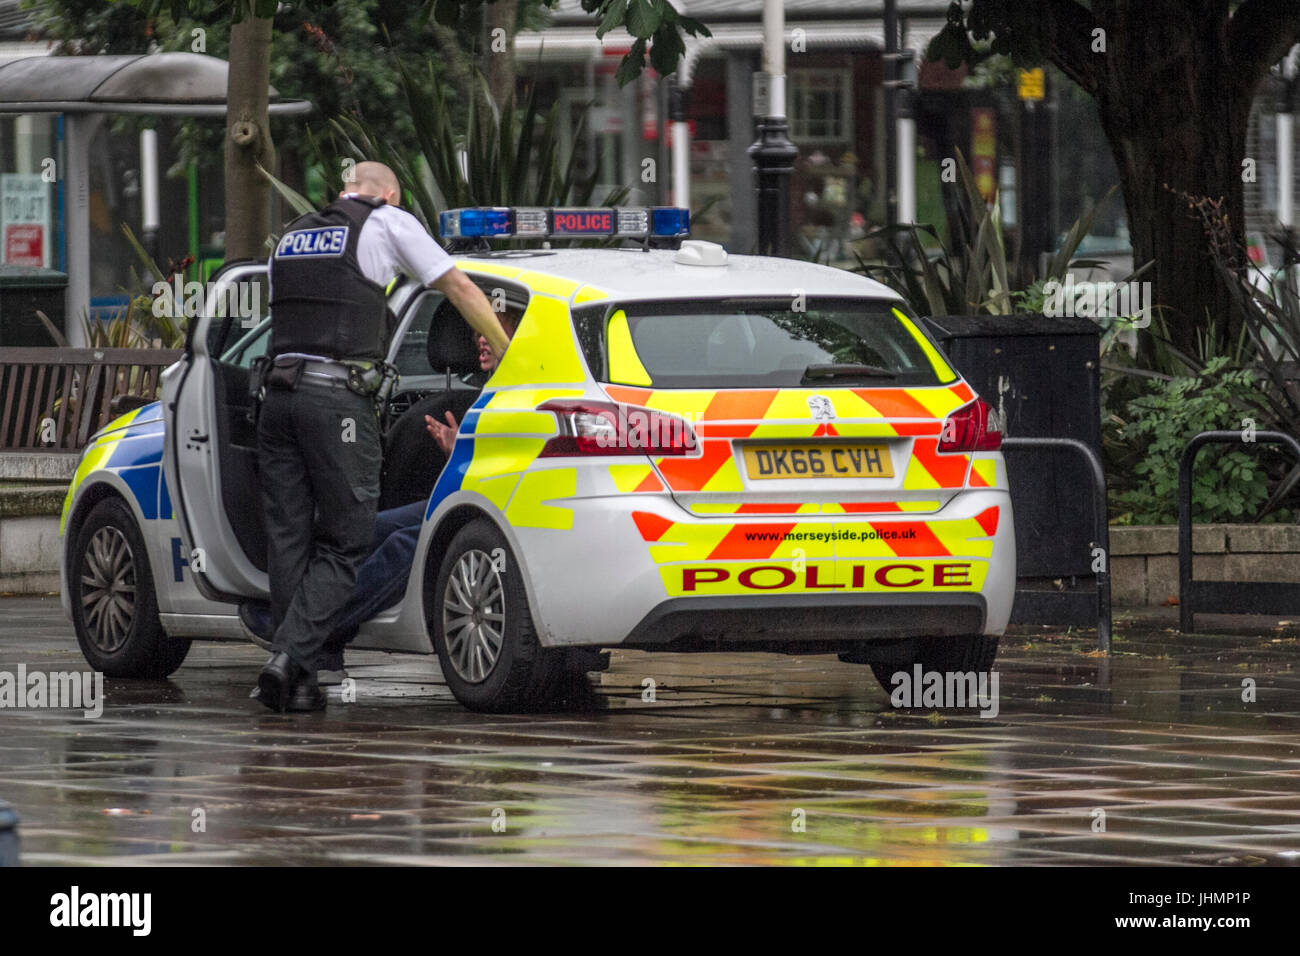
(1224, 597)
(1101, 530)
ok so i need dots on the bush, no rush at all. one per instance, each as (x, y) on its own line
(1228, 485)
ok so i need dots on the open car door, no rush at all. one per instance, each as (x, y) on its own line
(210, 451)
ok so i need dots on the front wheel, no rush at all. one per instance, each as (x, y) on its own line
(970, 653)
(482, 627)
(114, 607)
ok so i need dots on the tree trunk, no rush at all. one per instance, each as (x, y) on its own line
(248, 140)
(1176, 125)
(503, 15)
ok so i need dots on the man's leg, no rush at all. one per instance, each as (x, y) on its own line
(287, 501)
(339, 438)
(381, 582)
(395, 519)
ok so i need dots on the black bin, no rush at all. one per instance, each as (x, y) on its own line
(23, 290)
(1042, 374)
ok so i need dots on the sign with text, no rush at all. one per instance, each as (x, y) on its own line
(984, 150)
(24, 219)
(1031, 84)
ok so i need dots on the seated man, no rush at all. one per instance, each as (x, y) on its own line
(381, 579)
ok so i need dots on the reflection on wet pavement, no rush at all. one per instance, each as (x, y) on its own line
(1150, 756)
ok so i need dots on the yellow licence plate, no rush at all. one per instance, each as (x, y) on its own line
(822, 460)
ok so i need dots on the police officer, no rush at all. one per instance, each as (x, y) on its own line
(318, 435)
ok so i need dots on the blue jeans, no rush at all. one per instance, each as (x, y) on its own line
(381, 579)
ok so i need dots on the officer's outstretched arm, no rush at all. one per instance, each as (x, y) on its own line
(471, 303)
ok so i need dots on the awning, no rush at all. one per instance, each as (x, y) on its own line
(186, 84)
(580, 43)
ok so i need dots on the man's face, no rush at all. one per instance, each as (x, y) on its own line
(486, 360)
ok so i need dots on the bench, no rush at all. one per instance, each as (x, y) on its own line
(54, 399)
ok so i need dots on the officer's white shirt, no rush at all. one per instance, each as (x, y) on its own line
(393, 241)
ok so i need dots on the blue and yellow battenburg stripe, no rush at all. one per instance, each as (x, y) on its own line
(131, 447)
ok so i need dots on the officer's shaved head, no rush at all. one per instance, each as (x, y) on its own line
(372, 179)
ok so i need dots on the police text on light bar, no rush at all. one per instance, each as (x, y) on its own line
(540, 222)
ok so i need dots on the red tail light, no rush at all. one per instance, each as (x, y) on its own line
(973, 427)
(609, 428)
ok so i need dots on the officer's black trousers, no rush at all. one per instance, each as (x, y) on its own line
(319, 453)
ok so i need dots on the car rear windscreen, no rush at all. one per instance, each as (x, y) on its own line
(758, 343)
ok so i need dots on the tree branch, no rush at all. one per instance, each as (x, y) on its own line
(1259, 34)
(1066, 31)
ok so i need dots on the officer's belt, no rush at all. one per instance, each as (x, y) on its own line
(335, 372)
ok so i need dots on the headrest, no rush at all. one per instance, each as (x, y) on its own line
(451, 344)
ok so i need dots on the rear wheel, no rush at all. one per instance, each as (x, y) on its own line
(482, 627)
(114, 607)
(973, 652)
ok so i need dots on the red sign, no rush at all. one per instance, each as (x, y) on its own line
(583, 222)
(984, 151)
(24, 245)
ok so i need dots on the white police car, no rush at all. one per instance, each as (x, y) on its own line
(681, 449)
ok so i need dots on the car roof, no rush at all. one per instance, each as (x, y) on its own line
(637, 274)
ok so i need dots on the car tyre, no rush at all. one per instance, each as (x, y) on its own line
(974, 652)
(482, 627)
(114, 606)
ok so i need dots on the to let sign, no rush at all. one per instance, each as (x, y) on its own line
(24, 219)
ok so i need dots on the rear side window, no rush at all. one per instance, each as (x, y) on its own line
(757, 343)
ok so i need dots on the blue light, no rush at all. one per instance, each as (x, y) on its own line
(491, 221)
(670, 221)
(505, 222)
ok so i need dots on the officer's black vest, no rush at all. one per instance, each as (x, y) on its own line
(321, 301)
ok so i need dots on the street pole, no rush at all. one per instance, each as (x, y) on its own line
(150, 213)
(678, 114)
(1286, 157)
(773, 153)
(891, 110)
(905, 159)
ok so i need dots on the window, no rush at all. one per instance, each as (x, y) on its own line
(750, 343)
(821, 106)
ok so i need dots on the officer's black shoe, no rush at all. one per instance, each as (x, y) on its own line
(306, 697)
(275, 683)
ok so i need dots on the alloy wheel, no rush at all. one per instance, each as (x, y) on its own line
(473, 616)
(108, 589)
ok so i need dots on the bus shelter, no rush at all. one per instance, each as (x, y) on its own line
(45, 203)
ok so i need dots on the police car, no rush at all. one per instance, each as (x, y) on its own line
(681, 450)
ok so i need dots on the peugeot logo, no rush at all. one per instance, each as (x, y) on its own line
(821, 407)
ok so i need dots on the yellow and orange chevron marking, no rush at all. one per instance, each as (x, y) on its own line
(720, 416)
(673, 541)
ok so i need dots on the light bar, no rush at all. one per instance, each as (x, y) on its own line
(538, 222)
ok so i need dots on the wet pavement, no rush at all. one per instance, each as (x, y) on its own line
(1149, 756)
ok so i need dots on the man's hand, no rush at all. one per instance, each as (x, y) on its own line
(471, 303)
(444, 435)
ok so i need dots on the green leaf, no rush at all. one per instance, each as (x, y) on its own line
(633, 62)
(446, 13)
(642, 19)
(299, 202)
(666, 50)
(613, 16)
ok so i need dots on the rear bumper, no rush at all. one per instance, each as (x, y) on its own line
(638, 570)
(812, 620)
